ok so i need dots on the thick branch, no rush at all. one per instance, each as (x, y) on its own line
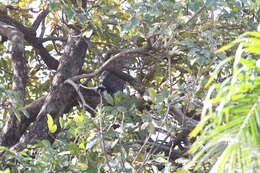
(13, 131)
(126, 77)
(39, 19)
(13, 135)
(18, 60)
(19, 71)
(60, 96)
(30, 36)
(42, 40)
(183, 119)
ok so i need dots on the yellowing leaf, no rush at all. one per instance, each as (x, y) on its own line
(217, 70)
(123, 15)
(255, 34)
(24, 3)
(82, 166)
(117, 1)
(152, 93)
(182, 171)
(97, 20)
(51, 125)
(79, 3)
(82, 145)
(228, 46)
(6, 171)
(253, 49)
(254, 41)
(140, 157)
(198, 128)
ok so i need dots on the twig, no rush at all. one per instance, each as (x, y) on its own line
(95, 49)
(30, 36)
(11, 7)
(152, 150)
(165, 118)
(128, 78)
(142, 142)
(100, 42)
(140, 150)
(196, 14)
(170, 153)
(182, 118)
(106, 64)
(6, 71)
(42, 40)
(120, 142)
(102, 142)
(76, 87)
(56, 48)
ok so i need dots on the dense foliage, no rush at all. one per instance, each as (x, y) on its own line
(188, 104)
(230, 120)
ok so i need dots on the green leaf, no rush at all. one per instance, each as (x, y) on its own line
(108, 98)
(182, 171)
(210, 3)
(61, 122)
(49, 47)
(54, 5)
(198, 128)
(69, 13)
(121, 109)
(2, 148)
(51, 125)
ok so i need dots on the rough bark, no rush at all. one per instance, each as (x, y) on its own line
(18, 60)
(60, 95)
(19, 78)
(16, 33)
(12, 136)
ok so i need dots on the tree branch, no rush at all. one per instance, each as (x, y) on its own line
(126, 77)
(109, 63)
(182, 118)
(19, 71)
(39, 19)
(18, 60)
(60, 95)
(30, 36)
(196, 14)
(42, 40)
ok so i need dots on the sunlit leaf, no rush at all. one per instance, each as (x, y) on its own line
(51, 125)
(7, 170)
(253, 49)
(256, 34)
(152, 94)
(228, 46)
(217, 70)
